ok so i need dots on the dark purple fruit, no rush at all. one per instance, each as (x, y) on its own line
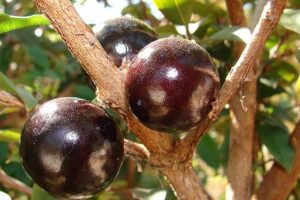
(123, 37)
(171, 84)
(71, 148)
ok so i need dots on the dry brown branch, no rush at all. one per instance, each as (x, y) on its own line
(12, 183)
(9, 100)
(172, 158)
(278, 183)
(181, 177)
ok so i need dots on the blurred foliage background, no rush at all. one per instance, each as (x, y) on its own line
(35, 66)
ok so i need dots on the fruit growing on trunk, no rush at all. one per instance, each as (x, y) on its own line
(71, 148)
(122, 38)
(171, 84)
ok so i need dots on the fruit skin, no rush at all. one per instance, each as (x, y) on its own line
(123, 37)
(71, 148)
(171, 84)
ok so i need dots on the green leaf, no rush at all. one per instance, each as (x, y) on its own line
(282, 72)
(166, 30)
(220, 50)
(290, 19)
(3, 152)
(9, 23)
(37, 55)
(84, 92)
(26, 97)
(6, 53)
(177, 11)
(208, 9)
(266, 88)
(10, 135)
(208, 150)
(234, 33)
(224, 148)
(39, 194)
(275, 137)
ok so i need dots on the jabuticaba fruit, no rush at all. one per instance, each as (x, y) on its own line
(170, 84)
(71, 148)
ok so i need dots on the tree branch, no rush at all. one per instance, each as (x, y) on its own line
(270, 16)
(268, 20)
(278, 183)
(12, 183)
(182, 178)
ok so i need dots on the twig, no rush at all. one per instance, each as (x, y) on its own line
(278, 183)
(9, 100)
(12, 183)
(136, 151)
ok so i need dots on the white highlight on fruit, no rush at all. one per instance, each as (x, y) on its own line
(121, 48)
(145, 53)
(172, 73)
(48, 108)
(139, 102)
(72, 137)
(157, 95)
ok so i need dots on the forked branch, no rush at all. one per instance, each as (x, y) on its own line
(164, 151)
(263, 29)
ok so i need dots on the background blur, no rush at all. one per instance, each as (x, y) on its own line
(36, 60)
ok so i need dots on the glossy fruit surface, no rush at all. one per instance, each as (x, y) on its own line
(123, 37)
(71, 148)
(170, 84)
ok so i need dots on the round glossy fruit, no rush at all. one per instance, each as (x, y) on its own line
(123, 37)
(170, 84)
(71, 148)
